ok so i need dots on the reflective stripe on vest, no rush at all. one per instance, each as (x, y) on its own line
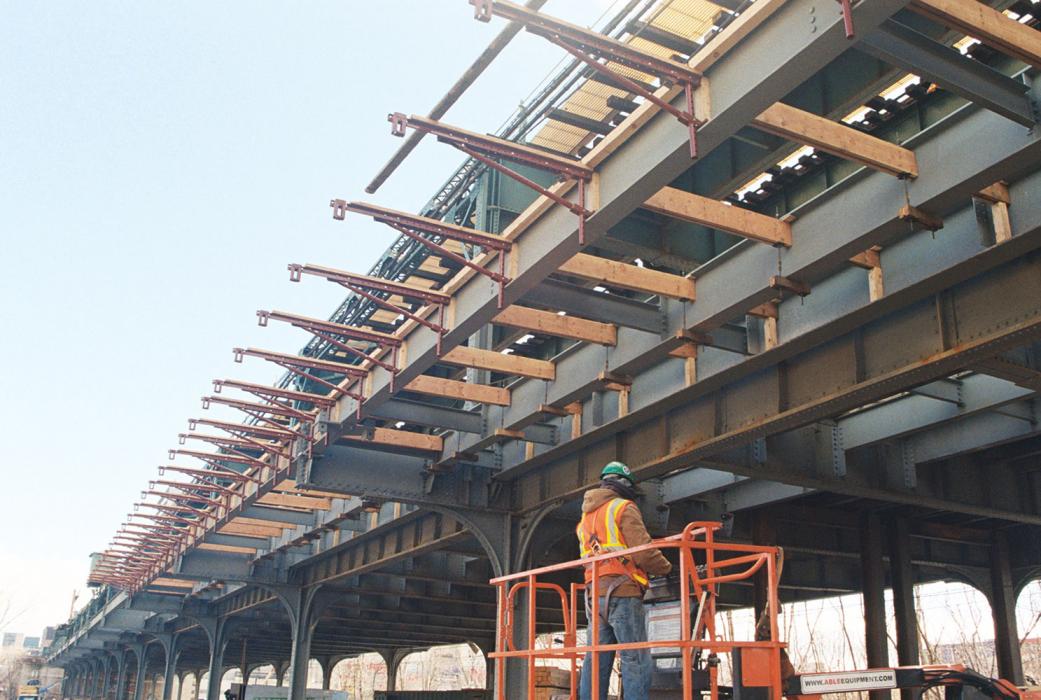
(599, 532)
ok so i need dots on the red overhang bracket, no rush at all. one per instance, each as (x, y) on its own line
(431, 232)
(601, 53)
(487, 149)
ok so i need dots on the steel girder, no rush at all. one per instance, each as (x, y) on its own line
(914, 266)
(739, 280)
(931, 338)
(901, 46)
(773, 59)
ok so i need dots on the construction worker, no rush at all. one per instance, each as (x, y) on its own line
(611, 521)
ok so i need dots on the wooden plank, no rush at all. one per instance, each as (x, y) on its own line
(838, 139)
(550, 323)
(463, 391)
(293, 501)
(626, 276)
(226, 548)
(498, 362)
(998, 192)
(264, 523)
(867, 260)
(400, 438)
(696, 209)
(172, 583)
(234, 528)
(990, 26)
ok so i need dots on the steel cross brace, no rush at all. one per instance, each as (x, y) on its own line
(487, 148)
(369, 288)
(414, 226)
(327, 330)
(590, 47)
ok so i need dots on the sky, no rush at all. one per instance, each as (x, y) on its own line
(160, 165)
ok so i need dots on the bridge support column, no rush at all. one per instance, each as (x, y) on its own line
(508, 543)
(1003, 609)
(106, 675)
(217, 631)
(393, 659)
(763, 533)
(169, 643)
(142, 669)
(903, 599)
(121, 675)
(305, 606)
(327, 671)
(874, 584)
(280, 672)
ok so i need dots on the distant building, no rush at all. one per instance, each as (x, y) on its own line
(13, 639)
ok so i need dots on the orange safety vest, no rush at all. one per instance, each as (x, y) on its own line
(599, 532)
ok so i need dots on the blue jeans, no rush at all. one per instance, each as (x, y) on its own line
(626, 622)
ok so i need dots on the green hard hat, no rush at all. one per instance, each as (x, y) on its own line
(617, 469)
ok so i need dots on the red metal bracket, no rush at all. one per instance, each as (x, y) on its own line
(297, 365)
(333, 332)
(270, 393)
(414, 226)
(189, 487)
(275, 409)
(847, 17)
(222, 473)
(233, 444)
(214, 458)
(592, 47)
(487, 148)
(240, 429)
(370, 287)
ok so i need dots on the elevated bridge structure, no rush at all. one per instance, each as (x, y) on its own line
(781, 257)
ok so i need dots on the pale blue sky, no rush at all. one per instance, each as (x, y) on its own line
(160, 164)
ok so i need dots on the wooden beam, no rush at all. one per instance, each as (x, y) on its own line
(293, 501)
(998, 192)
(234, 528)
(463, 391)
(226, 548)
(173, 583)
(837, 138)
(400, 438)
(550, 323)
(990, 26)
(626, 276)
(263, 523)
(498, 362)
(696, 209)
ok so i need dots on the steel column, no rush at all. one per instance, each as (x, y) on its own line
(876, 641)
(903, 599)
(1003, 610)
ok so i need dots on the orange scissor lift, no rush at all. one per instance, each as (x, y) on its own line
(704, 564)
